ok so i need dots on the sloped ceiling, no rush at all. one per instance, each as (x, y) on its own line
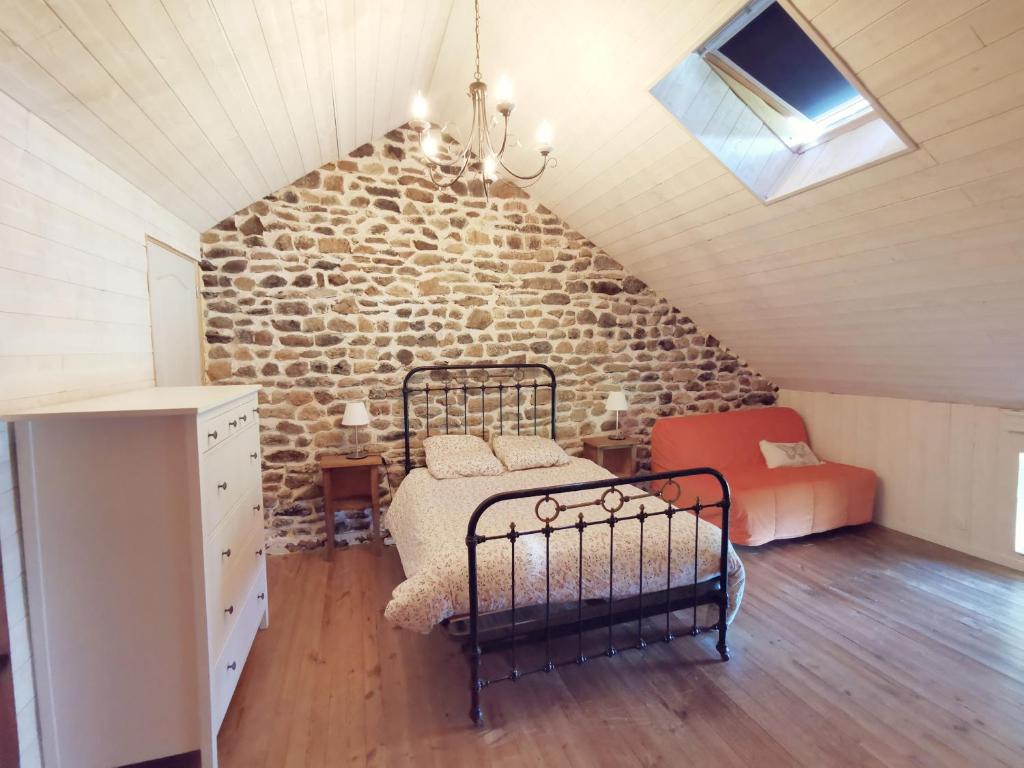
(905, 279)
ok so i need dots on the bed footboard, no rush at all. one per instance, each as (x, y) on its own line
(658, 495)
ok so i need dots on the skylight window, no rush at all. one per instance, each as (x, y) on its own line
(767, 53)
(767, 97)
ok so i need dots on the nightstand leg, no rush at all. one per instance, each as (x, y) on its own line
(375, 504)
(328, 516)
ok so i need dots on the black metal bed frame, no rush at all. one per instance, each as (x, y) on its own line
(485, 632)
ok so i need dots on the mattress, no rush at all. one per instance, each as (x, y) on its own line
(428, 518)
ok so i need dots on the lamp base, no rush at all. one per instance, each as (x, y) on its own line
(617, 437)
(359, 453)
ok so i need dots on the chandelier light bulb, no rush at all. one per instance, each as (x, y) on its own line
(505, 94)
(430, 146)
(419, 106)
(491, 168)
(545, 136)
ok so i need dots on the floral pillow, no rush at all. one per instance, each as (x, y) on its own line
(528, 452)
(788, 455)
(451, 456)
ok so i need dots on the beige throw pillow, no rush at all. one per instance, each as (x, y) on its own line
(788, 455)
(451, 456)
(528, 452)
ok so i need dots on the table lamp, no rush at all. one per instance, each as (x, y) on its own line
(356, 415)
(617, 402)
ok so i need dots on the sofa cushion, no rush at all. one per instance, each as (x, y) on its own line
(723, 439)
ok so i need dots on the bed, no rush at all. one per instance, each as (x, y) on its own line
(530, 556)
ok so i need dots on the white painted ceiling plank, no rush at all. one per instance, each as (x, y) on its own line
(100, 31)
(153, 29)
(278, 32)
(242, 35)
(36, 30)
(33, 88)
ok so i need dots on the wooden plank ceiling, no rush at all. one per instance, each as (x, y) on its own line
(906, 279)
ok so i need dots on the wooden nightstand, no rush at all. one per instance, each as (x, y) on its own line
(350, 484)
(617, 456)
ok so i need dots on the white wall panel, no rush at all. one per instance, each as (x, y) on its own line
(947, 472)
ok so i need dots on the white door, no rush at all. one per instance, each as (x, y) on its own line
(174, 311)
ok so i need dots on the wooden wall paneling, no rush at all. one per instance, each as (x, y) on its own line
(204, 41)
(900, 27)
(241, 27)
(223, 113)
(902, 67)
(21, 77)
(102, 33)
(312, 32)
(395, 28)
(989, 63)
(946, 471)
(52, 46)
(291, 80)
(845, 18)
(369, 21)
(996, 19)
(642, 178)
(989, 100)
(341, 37)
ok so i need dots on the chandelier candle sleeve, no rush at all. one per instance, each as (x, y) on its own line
(480, 153)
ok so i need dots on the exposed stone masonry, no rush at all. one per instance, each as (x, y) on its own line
(332, 288)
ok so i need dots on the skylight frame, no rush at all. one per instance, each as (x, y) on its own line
(846, 117)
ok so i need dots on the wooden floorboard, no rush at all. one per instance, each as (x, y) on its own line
(862, 647)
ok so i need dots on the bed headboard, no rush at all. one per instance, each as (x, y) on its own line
(453, 395)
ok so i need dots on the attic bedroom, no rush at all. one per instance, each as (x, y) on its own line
(464, 382)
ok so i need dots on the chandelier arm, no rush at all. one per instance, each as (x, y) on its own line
(436, 173)
(461, 157)
(504, 140)
(531, 177)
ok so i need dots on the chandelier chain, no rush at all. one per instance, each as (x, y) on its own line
(477, 74)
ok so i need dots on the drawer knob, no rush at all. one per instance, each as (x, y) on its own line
(232, 666)
(222, 486)
(256, 508)
(262, 596)
(259, 552)
(256, 410)
(226, 552)
(229, 610)
(233, 423)
(243, 417)
(212, 435)
(253, 455)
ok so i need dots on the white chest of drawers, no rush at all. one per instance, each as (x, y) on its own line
(143, 528)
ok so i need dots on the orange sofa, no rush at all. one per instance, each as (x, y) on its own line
(767, 504)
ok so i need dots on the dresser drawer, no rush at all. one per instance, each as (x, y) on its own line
(233, 555)
(213, 431)
(228, 667)
(228, 472)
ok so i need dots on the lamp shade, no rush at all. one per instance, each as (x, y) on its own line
(356, 415)
(616, 401)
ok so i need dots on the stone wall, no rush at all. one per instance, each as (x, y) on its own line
(331, 288)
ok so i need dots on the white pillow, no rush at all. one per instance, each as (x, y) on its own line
(788, 455)
(451, 456)
(528, 452)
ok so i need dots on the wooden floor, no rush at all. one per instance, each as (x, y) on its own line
(862, 647)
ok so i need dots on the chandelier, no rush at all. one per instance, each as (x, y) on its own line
(478, 154)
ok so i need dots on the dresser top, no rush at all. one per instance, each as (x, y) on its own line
(151, 401)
